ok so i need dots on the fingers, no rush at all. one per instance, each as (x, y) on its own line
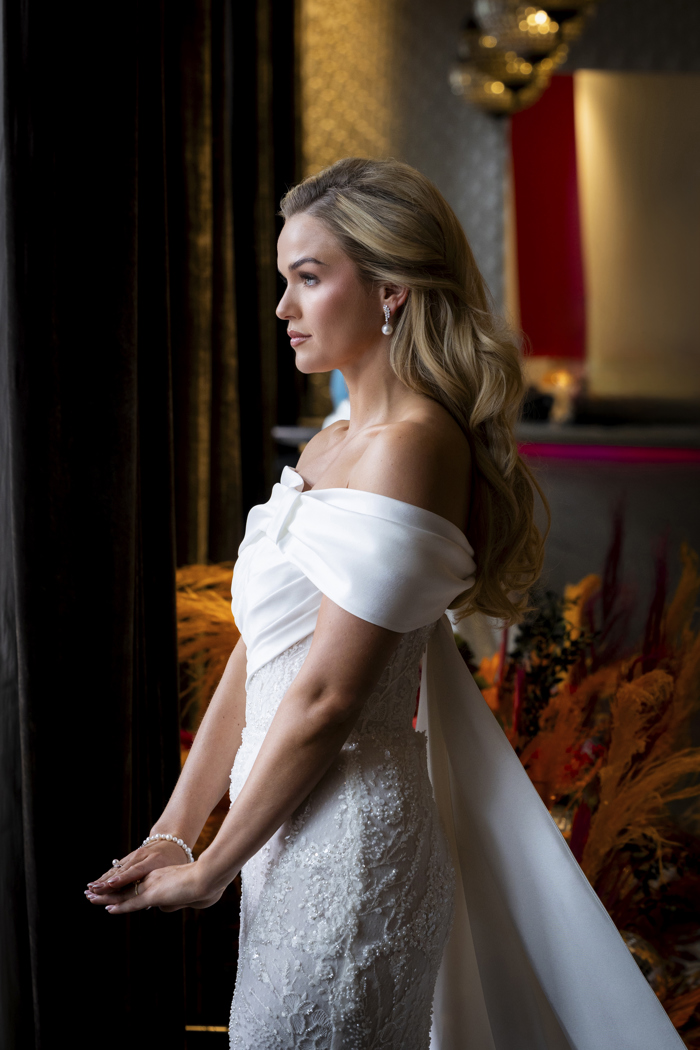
(103, 878)
(124, 864)
(131, 901)
(111, 895)
(123, 877)
(162, 854)
(168, 888)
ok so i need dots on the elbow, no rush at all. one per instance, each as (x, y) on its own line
(330, 708)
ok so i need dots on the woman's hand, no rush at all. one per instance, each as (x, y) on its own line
(204, 778)
(134, 867)
(171, 888)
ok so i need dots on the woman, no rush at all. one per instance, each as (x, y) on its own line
(351, 879)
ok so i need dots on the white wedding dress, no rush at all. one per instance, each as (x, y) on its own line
(346, 912)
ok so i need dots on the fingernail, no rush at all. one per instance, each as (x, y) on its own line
(109, 907)
(94, 885)
(110, 882)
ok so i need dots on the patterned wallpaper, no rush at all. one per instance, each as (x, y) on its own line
(460, 148)
(375, 82)
(346, 49)
(645, 36)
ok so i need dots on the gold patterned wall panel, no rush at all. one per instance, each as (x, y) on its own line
(375, 83)
(345, 80)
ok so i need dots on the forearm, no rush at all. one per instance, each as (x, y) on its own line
(205, 775)
(314, 719)
(300, 746)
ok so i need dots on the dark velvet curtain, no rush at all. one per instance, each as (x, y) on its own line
(120, 296)
(91, 714)
(198, 79)
(232, 119)
(265, 165)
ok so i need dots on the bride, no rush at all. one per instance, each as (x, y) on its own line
(401, 889)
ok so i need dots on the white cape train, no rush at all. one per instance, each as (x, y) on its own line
(533, 961)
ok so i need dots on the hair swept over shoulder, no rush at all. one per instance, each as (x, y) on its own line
(449, 345)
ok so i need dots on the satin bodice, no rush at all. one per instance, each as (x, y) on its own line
(383, 560)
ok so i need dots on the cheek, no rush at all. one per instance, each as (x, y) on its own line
(348, 315)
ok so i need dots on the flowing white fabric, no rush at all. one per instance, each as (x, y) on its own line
(553, 971)
(373, 556)
(533, 961)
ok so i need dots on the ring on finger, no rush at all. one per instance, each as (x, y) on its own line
(116, 864)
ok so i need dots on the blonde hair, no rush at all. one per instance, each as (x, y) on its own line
(447, 345)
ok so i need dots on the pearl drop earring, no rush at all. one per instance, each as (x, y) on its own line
(387, 328)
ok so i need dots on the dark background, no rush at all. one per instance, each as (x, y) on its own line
(144, 148)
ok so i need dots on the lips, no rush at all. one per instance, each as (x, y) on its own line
(296, 338)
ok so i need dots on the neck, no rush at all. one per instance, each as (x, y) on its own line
(376, 395)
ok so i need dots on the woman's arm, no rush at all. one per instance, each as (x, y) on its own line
(203, 781)
(412, 463)
(313, 721)
(205, 776)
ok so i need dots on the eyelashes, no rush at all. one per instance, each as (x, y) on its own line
(307, 279)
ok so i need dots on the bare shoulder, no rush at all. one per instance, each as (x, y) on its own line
(424, 461)
(321, 444)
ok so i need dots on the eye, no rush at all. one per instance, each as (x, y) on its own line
(309, 279)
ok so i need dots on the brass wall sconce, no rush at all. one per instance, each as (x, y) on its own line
(509, 49)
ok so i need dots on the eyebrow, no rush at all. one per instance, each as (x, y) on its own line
(306, 259)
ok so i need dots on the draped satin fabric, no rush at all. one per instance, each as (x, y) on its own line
(542, 964)
(533, 961)
(366, 552)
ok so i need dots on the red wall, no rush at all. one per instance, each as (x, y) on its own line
(550, 269)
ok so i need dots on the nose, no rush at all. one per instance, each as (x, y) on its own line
(285, 307)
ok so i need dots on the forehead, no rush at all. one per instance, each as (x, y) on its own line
(303, 235)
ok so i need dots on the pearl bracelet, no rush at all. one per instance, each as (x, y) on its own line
(171, 838)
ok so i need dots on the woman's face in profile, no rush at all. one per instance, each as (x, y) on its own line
(333, 317)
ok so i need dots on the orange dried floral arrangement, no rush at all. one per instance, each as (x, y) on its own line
(604, 734)
(206, 635)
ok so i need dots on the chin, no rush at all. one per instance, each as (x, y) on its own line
(310, 362)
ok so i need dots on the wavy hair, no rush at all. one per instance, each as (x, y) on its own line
(448, 345)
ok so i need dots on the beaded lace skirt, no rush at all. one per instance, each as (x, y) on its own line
(345, 912)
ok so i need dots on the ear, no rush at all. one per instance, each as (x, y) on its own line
(393, 296)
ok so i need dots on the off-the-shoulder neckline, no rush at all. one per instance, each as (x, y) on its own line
(445, 522)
